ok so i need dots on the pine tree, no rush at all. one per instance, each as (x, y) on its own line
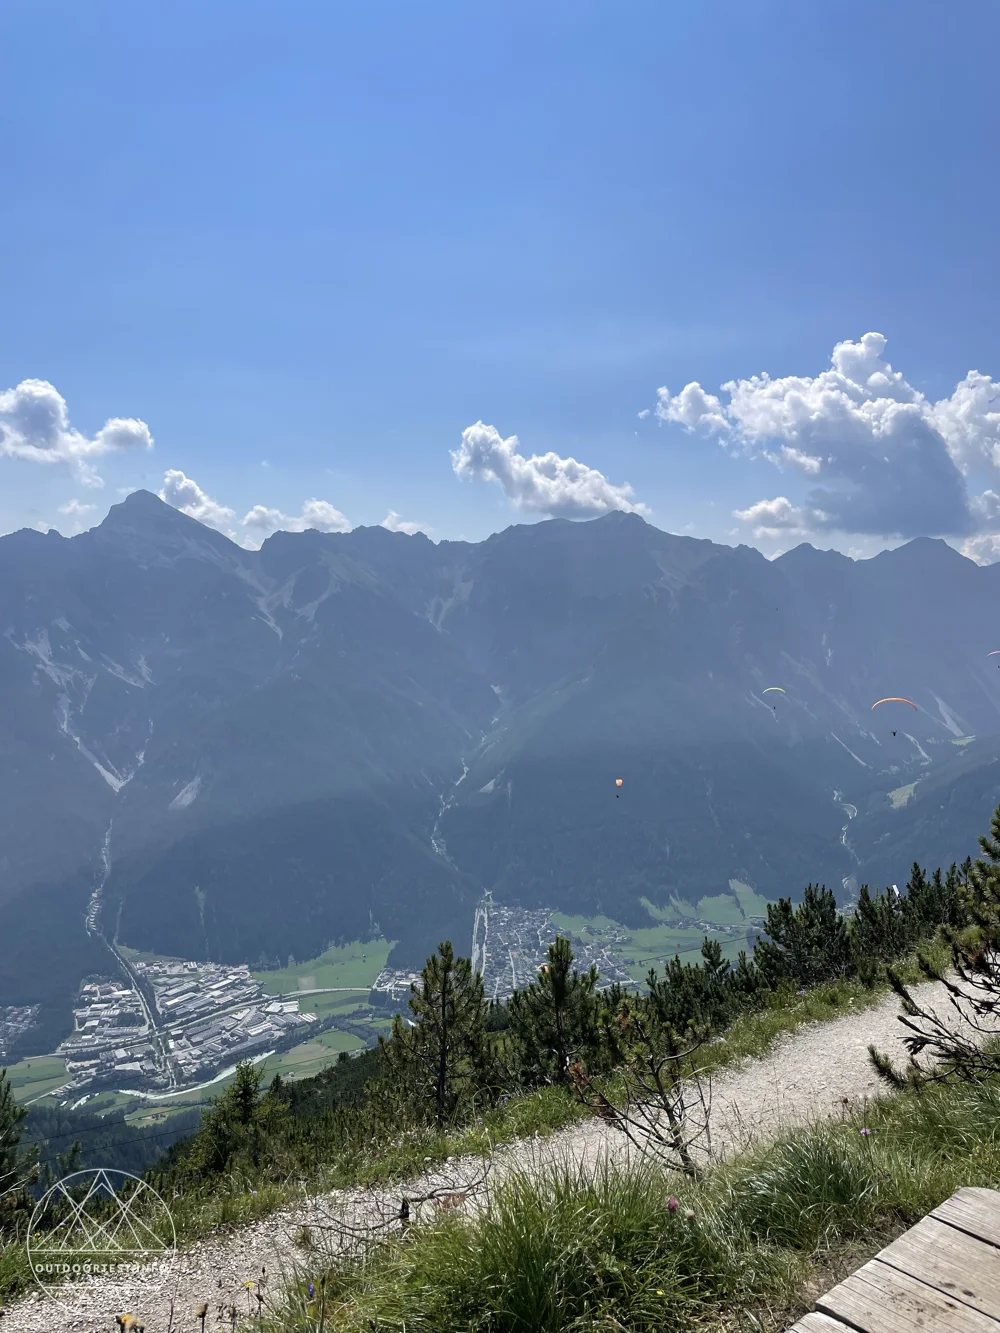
(939, 1048)
(554, 1021)
(444, 1056)
(808, 944)
(934, 902)
(659, 1101)
(879, 931)
(241, 1125)
(747, 983)
(17, 1168)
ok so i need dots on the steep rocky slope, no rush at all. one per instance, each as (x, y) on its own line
(244, 755)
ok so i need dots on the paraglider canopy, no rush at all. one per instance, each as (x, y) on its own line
(994, 653)
(774, 687)
(618, 782)
(895, 699)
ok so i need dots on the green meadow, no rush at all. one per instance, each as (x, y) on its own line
(352, 966)
(36, 1076)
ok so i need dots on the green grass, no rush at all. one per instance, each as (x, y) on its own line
(722, 910)
(671, 913)
(337, 1002)
(353, 965)
(138, 956)
(753, 904)
(594, 927)
(108, 1101)
(36, 1075)
(748, 1248)
(650, 946)
(899, 796)
(312, 1056)
(149, 1115)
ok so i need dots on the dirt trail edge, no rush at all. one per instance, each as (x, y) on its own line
(806, 1076)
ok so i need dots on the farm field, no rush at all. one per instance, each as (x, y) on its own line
(751, 902)
(651, 947)
(146, 1115)
(639, 950)
(354, 965)
(342, 1003)
(36, 1076)
(312, 1056)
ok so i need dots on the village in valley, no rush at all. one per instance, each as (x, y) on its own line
(509, 945)
(207, 1017)
(165, 1025)
(15, 1020)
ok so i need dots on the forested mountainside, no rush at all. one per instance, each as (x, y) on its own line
(217, 752)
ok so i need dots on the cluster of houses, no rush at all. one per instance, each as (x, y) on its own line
(110, 1038)
(15, 1019)
(215, 1015)
(208, 1016)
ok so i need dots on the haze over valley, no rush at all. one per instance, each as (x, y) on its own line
(245, 757)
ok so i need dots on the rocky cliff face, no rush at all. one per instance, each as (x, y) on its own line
(240, 755)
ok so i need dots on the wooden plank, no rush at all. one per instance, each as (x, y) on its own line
(881, 1299)
(952, 1261)
(819, 1323)
(976, 1211)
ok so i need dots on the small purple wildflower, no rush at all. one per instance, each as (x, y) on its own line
(312, 1290)
(673, 1204)
(865, 1132)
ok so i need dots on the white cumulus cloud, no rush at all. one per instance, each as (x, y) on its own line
(76, 509)
(318, 514)
(394, 523)
(34, 424)
(543, 483)
(884, 459)
(692, 407)
(187, 496)
(970, 421)
(779, 515)
(984, 548)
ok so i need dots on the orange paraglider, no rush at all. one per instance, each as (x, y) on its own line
(618, 783)
(895, 699)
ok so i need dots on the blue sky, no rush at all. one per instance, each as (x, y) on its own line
(310, 244)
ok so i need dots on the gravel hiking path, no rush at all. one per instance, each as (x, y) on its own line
(806, 1076)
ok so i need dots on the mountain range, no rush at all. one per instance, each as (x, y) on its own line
(215, 752)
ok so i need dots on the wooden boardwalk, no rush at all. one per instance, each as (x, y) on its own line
(941, 1276)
